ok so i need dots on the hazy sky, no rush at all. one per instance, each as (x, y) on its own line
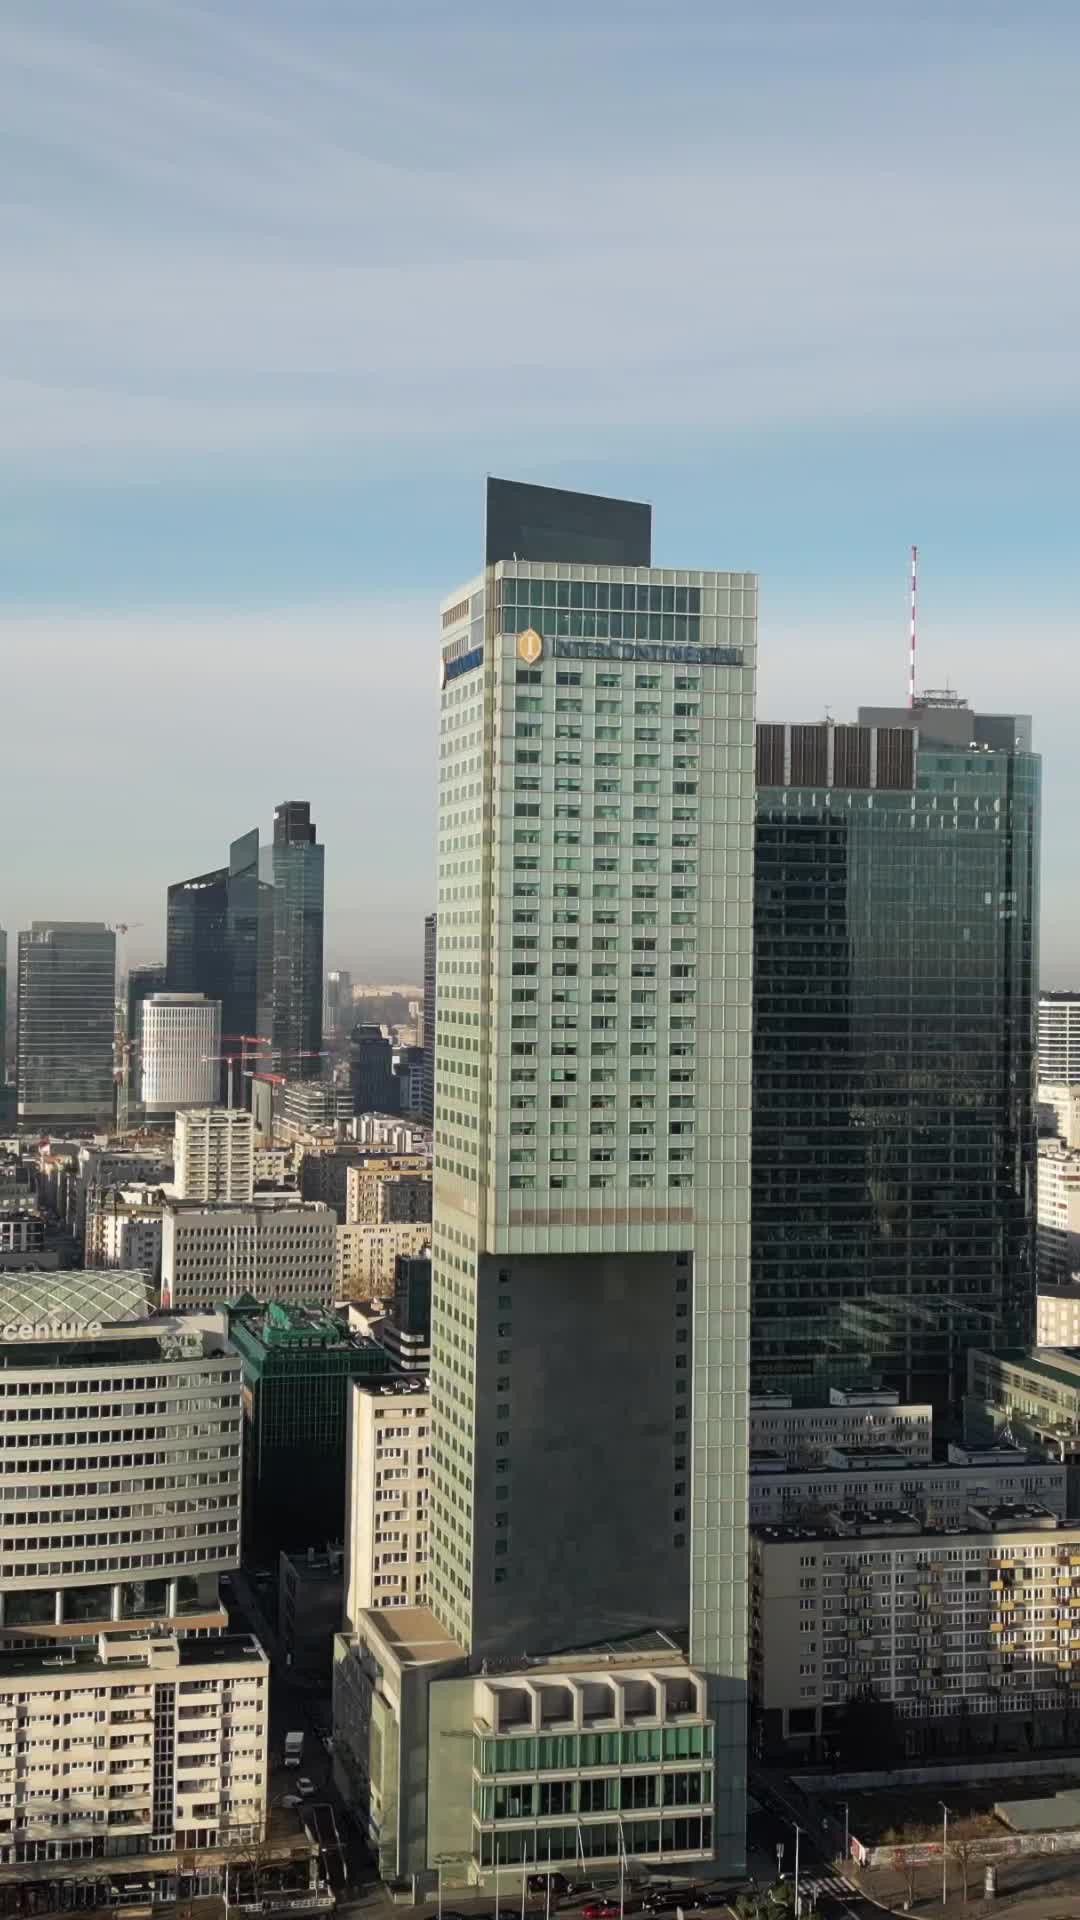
(283, 279)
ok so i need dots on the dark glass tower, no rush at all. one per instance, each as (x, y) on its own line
(141, 983)
(66, 1025)
(374, 1087)
(196, 945)
(895, 984)
(219, 943)
(298, 942)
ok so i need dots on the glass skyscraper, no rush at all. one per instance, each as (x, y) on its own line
(219, 943)
(895, 987)
(297, 942)
(66, 1025)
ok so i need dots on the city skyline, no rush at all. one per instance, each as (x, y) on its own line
(278, 483)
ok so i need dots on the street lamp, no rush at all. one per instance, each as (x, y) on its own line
(944, 1852)
(797, 1832)
(779, 1859)
(847, 1833)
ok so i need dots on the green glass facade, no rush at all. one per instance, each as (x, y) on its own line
(895, 979)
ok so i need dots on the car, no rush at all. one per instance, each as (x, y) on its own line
(538, 1882)
(601, 1910)
(305, 1786)
(290, 1799)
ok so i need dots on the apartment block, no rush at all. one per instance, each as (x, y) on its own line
(1057, 1314)
(277, 1248)
(102, 1167)
(1058, 1213)
(368, 1253)
(119, 1466)
(135, 1748)
(386, 1496)
(1059, 1038)
(1059, 1112)
(940, 1493)
(21, 1230)
(124, 1228)
(981, 1622)
(215, 1154)
(395, 1188)
(872, 1417)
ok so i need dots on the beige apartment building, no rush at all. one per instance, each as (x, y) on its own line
(367, 1255)
(136, 1747)
(386, 1499)
(397, 1188)
(981, 1622)
(850, 1417)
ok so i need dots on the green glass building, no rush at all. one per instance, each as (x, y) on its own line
(298, 1365)
(895, 1005)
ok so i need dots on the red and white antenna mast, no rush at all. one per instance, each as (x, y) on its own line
(911, 664)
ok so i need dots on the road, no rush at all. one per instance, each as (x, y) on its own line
(774, 1826)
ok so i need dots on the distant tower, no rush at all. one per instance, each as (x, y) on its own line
(66, 1020)
(298, 942)
(179, 1048)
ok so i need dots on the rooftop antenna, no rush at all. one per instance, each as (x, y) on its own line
(911, 666)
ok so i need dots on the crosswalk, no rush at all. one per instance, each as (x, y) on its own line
(821, 1886)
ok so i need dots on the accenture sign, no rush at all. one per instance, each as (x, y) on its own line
(50, 1329)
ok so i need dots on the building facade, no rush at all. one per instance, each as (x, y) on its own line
(958, 1631)
(298, 1365)
(371, 1054)
(136, 1748)
(368, 1253)
(895, 969)
(66, 1022)
(215, 1155)
(431, 948)
(1059, 1038)
(1058, 1223)
(938, 1494)
(119, 1465)
(386, 1496)
(179, 1049)
(848, 1417)
(395, 1187)
(298, 867)
(1057, 1314)
(591, 1180)
(123, 1229)
(278, 1248)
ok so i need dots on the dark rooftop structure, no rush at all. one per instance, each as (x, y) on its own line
(549, 523)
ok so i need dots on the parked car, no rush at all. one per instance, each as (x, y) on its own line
(305, 1786)
(601, 1910)
(538, 1882)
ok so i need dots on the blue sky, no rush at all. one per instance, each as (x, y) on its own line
(285, 278)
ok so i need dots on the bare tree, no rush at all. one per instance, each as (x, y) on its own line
(963, 1852)
(907, 1868)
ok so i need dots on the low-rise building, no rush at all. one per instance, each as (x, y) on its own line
(298, 1365)
(124, 1228)
(851, 1417)
(305, 1107)
(276, 1248)
(311, 1603)
(1057, 1314)
(1030, 1395)
(386, 1495)
(1063, 1104)
(105, 1166)
(390, 1188)
(980, 1622)
(939, 1493)
(21, 1230)
(595, 1755)
(368, 1253)
(131, 1748)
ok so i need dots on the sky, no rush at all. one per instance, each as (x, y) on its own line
(285, 279)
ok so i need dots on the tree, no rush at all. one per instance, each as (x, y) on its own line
(963, 1851)
(907, 1868)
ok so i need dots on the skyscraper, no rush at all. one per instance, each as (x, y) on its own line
(895, 970)
(298, 941)
(3, 1006)
(591, 1231)
(141, 982)
(374, 1088)
(431, 928)
(220, 943)
(196, 937)
(66, 1021)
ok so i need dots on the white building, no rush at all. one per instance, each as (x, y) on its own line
(1059, 1038)
(1063, 1102)
(386, 1496)
(395, 1187)
(367, 1255)
(1057, 1314)
(1058, 1213)
(134, 1747)
(215, 1154)
(804, 1436)
(116, 1167)
(278, 1248)
(939, 1493)
(180, 1040)
(21, 1231)
(983, 1621)
(120, 1447)
(123, 1228)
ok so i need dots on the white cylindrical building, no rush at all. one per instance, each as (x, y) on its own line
(178, 1048)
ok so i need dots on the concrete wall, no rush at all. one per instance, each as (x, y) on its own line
(589, 1462)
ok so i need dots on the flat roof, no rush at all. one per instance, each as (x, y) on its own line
(84, 1657)
(414, 1634)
